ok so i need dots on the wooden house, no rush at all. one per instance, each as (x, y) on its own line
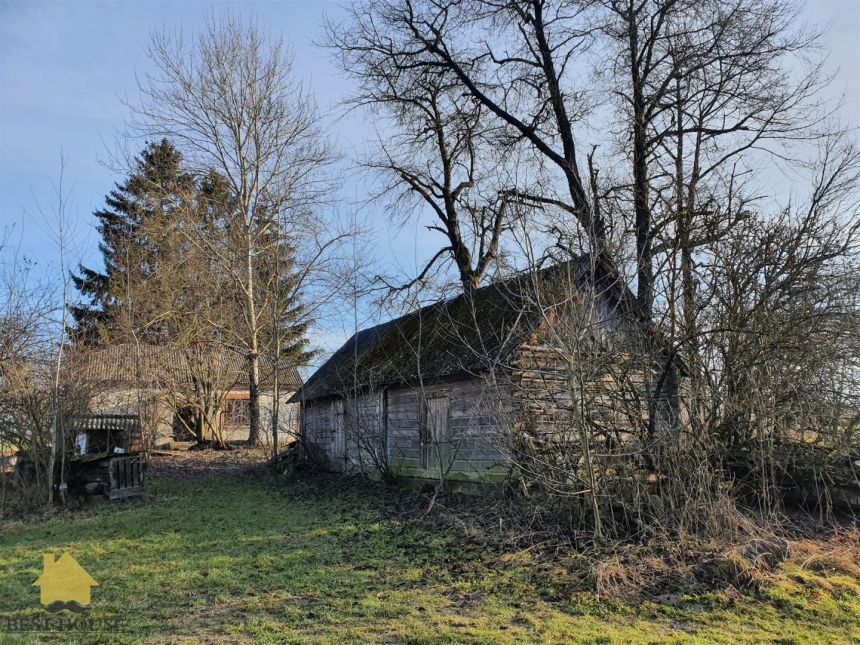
(451, 389)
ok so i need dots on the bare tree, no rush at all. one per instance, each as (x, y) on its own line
(437, 150)
(231, 102)
(196, 383)
(537, 71)
(26, 402)
(695, 94)
(511, 59)
(39, 398)
(777, 335)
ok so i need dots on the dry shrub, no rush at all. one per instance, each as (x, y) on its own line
(749, 565)
(747, 555)
(735, 570)
(766, 553)
(630, 572)
(301, 457)
(615, 578)
(833, 563)
(723, 520)
(659, 571)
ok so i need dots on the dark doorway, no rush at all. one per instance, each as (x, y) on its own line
(186, 424)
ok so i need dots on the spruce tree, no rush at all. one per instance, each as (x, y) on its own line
(286, 324)
(174, 255)
(134, 228)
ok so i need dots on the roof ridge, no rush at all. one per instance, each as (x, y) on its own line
(458, 339)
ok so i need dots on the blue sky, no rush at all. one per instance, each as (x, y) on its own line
(65, 67)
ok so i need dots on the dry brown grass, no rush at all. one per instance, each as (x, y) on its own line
(617, 578)
(838, 554)
(206, 462)
(660, 570)
(735, 552)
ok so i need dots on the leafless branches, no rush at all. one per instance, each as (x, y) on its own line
(231, 103)
(437, 151)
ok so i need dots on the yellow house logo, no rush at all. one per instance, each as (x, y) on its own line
(64, 584)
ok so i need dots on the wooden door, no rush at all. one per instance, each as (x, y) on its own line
(435, 433)
(338, 435)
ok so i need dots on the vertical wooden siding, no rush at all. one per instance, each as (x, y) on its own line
(392, 421)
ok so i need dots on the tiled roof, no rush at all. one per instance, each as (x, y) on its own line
(128, 364)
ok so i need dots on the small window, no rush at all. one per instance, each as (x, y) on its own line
(237, 413)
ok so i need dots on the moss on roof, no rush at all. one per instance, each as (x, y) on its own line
(462, 336)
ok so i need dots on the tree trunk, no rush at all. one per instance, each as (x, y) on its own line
(276, 400)
(254, 354)
(644, 271)
(254, 400)
(576, 391)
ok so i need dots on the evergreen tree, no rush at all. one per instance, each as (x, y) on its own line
(170, 246)
(135, 230)
(286, 324)
(174, 255)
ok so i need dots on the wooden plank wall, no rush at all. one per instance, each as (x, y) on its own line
(475, 445)
(473, 421)
(615, 387)
(320, 426)
(364, 428)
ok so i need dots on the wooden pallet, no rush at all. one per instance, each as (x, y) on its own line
(125, 476)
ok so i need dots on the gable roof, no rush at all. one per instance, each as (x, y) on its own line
(118, 365)
(463, 336)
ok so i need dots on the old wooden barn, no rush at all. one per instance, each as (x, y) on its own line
(444, 391)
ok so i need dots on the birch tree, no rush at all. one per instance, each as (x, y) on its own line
(230, 101)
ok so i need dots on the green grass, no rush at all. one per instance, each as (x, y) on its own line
(232, 558)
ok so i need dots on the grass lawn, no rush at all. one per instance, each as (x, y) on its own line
(230, 557)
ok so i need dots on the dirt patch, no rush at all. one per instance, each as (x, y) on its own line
(208, 463)
(211, 617)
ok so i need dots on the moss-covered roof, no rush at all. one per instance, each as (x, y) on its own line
(463, 336)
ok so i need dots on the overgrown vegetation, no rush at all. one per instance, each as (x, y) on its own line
(654, 432)
(647, 140)
(342, 561)
(38, 397)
